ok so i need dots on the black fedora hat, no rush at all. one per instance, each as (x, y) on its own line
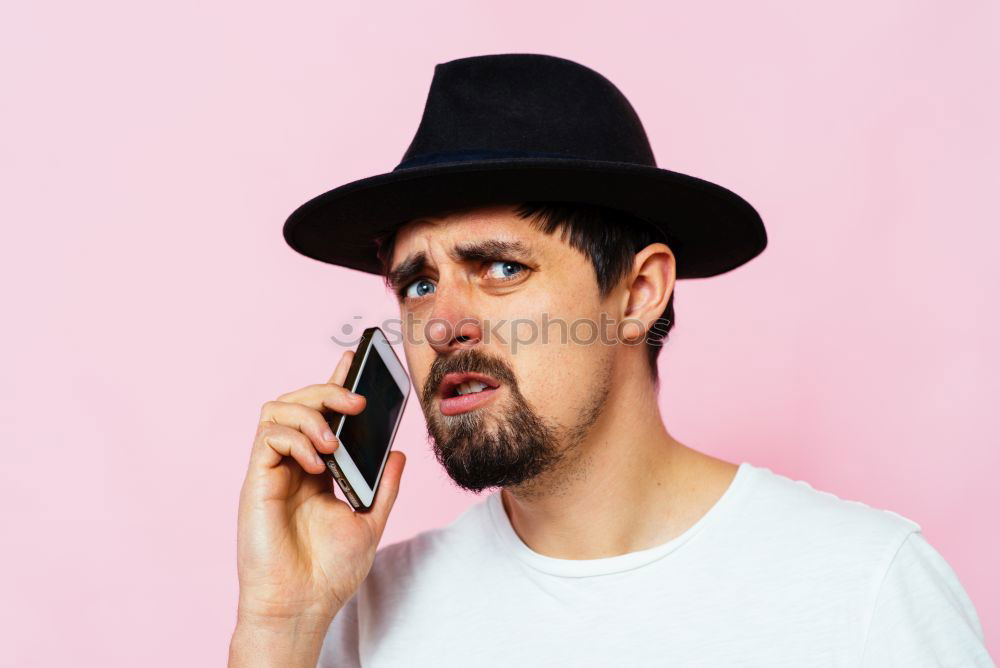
(510, 128)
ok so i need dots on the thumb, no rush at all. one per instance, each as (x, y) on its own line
(388, 489)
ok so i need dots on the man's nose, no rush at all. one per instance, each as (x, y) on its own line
(452, 326)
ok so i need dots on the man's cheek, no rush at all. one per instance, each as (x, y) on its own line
(518, 332)
(523, 332)
(496, 332)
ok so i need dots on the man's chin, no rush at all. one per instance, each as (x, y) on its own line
(478, 458)
(464, 435)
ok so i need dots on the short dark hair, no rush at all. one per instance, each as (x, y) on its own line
(609, 238)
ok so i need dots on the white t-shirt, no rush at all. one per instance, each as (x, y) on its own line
(775, 574)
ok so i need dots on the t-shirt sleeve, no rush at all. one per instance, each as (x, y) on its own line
(340, 647)
(922, 614)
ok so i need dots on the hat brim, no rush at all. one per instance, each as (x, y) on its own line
(714, 230)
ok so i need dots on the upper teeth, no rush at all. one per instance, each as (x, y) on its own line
(470, 386)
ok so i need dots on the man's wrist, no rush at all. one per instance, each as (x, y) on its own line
(278, 611)
(282, 640)
(299, 622)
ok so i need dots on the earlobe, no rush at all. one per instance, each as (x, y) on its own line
(632, 331)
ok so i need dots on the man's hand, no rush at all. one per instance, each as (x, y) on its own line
(301, 551)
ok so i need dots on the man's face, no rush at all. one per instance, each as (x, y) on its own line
(506, 399)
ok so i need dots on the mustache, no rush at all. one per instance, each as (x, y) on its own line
(468, 360)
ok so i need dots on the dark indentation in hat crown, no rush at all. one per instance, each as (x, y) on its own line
(528, 103)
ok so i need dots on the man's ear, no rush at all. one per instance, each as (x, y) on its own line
(648, 290)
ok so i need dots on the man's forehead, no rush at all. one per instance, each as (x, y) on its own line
(455, 230)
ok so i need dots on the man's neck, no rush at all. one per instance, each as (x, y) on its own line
(628, 486)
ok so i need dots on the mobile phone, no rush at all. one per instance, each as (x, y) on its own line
(365, 439)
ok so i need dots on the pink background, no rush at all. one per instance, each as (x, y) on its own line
(152, 152)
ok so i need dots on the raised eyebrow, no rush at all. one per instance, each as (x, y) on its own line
(489, 249)
(407, 270)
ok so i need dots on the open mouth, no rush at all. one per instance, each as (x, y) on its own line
(465, 391)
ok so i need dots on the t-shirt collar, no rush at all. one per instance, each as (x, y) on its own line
(511, 542)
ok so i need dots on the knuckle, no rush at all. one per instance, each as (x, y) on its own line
(267, 431)
(282, 439)
(269, 408)
(307, 418)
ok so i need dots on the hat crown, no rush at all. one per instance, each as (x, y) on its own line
(525, 105)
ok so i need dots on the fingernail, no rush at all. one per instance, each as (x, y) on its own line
(327, 435)
(354, 395)
(319, 460)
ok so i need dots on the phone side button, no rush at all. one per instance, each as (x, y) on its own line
(334, 469)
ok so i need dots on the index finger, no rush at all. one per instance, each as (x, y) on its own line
(343, 366)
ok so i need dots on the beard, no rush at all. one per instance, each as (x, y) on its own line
(508, 448)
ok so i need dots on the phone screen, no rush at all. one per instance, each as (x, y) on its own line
(366, 435)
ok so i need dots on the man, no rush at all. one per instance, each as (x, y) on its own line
(528, 197)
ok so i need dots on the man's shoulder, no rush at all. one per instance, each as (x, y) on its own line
(790, 514)
(798, 501)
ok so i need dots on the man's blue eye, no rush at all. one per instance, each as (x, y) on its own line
(505, 269)
(419, 288)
